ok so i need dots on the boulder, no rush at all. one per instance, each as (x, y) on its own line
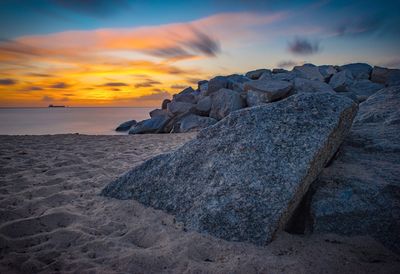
(224, 101)
(236, 81)
(188, 90)
(301, 85)
(359, 193)
(241, 178)
(125, 126)
(165, 103)
(341, 81)
(203, 106)
(185, 97)
(152, 125)
(279, 70)
(362, 89)
(358, 70)
(285, 76)
(270, 90)
(256, 74)
(255, 98)
(309, 71)
(176, 108)
(158, 112)
(388, 77)
(202, 87)
(327, 71)
(193, 122)
(216, 84)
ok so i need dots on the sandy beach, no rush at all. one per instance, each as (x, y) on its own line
(53, 220)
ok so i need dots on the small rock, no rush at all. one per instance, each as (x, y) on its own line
(152, 125)
(125, 126)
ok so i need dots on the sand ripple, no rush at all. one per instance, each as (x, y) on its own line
(52, 219)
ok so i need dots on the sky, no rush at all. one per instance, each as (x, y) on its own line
(136, 53)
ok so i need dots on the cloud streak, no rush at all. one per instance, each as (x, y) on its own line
(302, 46)
(7, 82)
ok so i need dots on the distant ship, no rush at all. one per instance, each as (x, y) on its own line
(55, 106)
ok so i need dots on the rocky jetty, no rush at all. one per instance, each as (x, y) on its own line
(218, 97)
(264, 138)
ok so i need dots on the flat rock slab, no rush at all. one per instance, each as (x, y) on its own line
(242, 178)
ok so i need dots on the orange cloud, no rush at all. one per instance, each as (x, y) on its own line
(87, 64)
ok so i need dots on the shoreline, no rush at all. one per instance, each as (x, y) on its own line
(53, 219)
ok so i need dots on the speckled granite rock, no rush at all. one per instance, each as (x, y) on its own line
(241, 178)
(359, 194)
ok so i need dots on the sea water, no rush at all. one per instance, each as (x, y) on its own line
(94, 121)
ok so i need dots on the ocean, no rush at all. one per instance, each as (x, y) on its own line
(93, 121)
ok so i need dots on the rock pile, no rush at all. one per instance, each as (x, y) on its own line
(270, 155)
(192, 110)
(242, 178)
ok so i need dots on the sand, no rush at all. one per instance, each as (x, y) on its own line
(53, 220)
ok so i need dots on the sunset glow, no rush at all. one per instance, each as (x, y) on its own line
(76, 58)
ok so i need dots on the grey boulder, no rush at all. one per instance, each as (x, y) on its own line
(152, 125)
(241, 178)
(125, 126)
(358, 70)
(193, 122)
(255, 98)
(362, 89)
(341, 81)
(216, 84)
(224, 101)
(327, 71)
(388, 77)
(359, 193)
(158, 112)
(203, 106)
(301, 85)
(268, 90)
(309, 71)
(187, 95)
(176, 108)
(256, 74)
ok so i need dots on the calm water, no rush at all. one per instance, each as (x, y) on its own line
(36, 121)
